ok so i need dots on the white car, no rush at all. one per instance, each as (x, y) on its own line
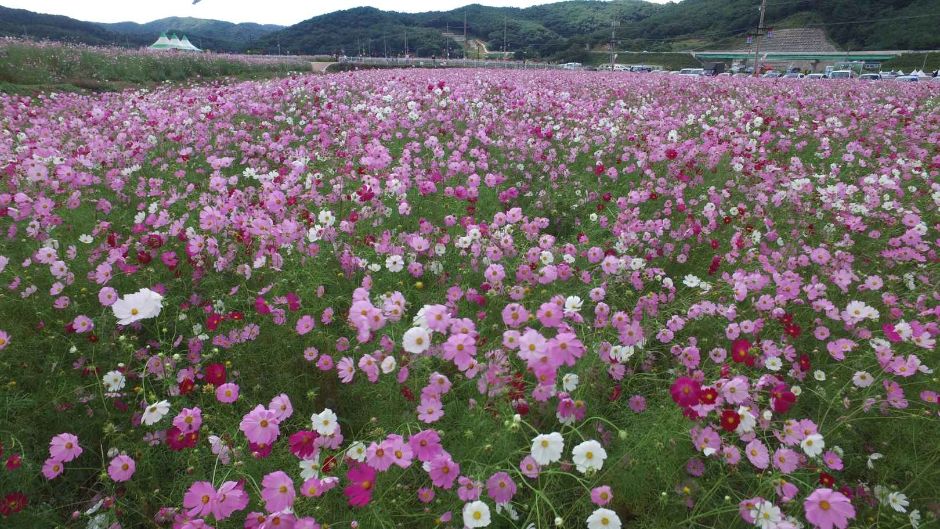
(907, 78)
(692, 72)
(816, 76)
(571, 66)
(842, 74)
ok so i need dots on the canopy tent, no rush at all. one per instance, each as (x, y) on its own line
(173, 43)
(188, 45)
(162, 43)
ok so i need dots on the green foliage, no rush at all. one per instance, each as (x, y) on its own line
(25, 67)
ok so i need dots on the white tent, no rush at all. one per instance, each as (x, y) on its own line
(162, 43)
(188, 45)
(175, 42)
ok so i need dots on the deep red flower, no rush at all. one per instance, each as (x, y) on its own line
(215, 374)
(730, 419)
(176, 440)
(708, 396)
(827, 480)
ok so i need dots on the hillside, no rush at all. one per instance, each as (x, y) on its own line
(23, 23)
(213, 34)
(565, 30)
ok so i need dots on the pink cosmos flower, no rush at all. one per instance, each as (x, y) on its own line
(121, 469)
(601, 495)
(500, 487)
(52, 468)
(826, 508)
(277, 491)
(260, 425)
(786, 460)
(468, 489)
(64, 447)
(430, 410)
(199, 499)
(227, 393)
(757, 454)
(529, 467)
(379, 456)
(188, 420)
(281, 406)
(443, 471)
(230, 497)
(425, 445)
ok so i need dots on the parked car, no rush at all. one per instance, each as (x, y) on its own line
(816, 76)
(907, 78)
(870, 77)
(741, 74)
(771, 75)
(571, 66)
(842, 74)
(693, 72)
(794, 75)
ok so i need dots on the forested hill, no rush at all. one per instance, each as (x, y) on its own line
(566, 29)
(562, 30)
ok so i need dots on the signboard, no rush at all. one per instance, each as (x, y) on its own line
(872, 66)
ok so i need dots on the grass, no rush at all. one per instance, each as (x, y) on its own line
(27, 67)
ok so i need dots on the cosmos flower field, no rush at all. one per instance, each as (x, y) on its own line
(408, 299)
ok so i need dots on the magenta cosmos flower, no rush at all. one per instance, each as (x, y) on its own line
(826, 508)
(361, 483)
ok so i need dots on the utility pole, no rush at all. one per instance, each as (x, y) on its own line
(464, 34)
(385, 45)
(406, 42)
(504, 35)
(760, 28)
(613, 41)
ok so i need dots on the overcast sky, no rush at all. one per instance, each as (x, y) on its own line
(285, 12)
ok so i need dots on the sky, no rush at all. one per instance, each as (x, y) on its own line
(284, 12)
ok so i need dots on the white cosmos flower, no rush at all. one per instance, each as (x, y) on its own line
(569, 382)
(766, 515)
(813, 445)
(603, 519)
(310, 468)
(389, 364)
(394, 263)
(85, 238)
(140, 305)
(589, 455)
(113, 381)
(862, 379)
(476, 514)
(898, 501)
(324, 422)
(573, 304)
(154, 412)
(416, 340)
(547, 448)
(357, 451)
(773, 363)
(326, 217)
